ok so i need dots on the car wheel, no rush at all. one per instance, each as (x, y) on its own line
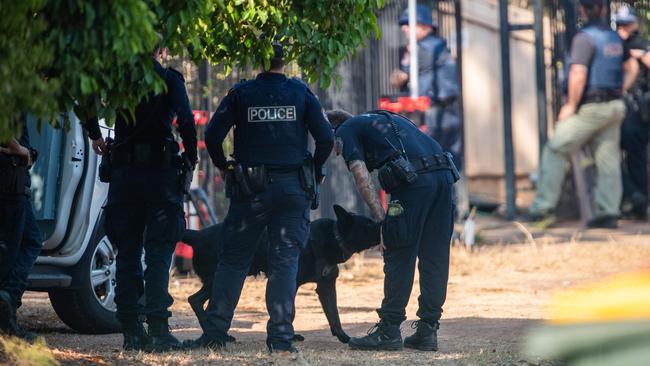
(90, 308)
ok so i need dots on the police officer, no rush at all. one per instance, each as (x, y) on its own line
(437, 79)
(20, 237)
(636, 125)
(272, 115)
(144, 208)
(600, 70)
(413, 169)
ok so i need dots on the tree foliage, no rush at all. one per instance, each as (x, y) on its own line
(95, 56)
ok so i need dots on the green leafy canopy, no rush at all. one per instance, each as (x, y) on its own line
(95, 56)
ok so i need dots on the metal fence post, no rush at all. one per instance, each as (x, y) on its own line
(540, 75)
(504, 26)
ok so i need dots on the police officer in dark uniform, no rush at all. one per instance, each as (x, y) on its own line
(635, 129)
(144, 208)
(20, 237)
(272, 116)
(418, 226)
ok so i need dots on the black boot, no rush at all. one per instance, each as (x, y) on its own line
(382, 337)
(8, 323)
(603, 222)
(161, 339)
(135, 336)
(204, 342)
(425, 337)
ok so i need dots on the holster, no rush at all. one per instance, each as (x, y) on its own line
(245, 182)
(13, 175)
(309, 182)
(396, 173)
(185, 173)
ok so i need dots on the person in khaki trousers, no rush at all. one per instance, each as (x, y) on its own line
(600, 69)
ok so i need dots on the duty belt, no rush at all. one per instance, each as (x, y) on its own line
(601, 96)
(275, 176)
(144, 155)
(431, 163)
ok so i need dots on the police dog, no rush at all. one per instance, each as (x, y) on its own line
(330, 242)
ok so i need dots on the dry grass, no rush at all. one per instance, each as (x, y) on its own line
(15, 352)
(496, 293)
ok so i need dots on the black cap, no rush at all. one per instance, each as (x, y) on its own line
(590, 3)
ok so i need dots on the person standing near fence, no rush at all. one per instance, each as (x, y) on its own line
(635, 129)
(600, 70)
(437, 79)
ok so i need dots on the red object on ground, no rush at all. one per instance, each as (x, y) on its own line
(382, 198)
(404, 104)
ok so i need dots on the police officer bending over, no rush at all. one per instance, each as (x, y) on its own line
(419, 176)
(271, 115)
(144, 208)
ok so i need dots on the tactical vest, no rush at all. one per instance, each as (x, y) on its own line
(270, 124)
(437, 74)
(606, 69)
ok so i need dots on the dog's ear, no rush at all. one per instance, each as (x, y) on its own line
(341, 213)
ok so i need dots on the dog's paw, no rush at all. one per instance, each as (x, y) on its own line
(344, 338)
(298, 338)
(231, 339)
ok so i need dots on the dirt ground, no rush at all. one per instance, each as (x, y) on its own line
(496, 294)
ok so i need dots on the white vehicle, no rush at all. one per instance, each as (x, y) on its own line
(77, 264)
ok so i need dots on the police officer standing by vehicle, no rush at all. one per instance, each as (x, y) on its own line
(266, 183)
(600, 70)
(418, 225)
(20, 237)
(635, 129)
(144, 208)
(437, 79)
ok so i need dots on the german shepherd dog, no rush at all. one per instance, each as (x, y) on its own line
(330, 242)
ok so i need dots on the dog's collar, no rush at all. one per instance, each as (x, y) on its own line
(341, 243)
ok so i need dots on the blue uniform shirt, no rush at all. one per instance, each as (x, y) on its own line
(272, 115)
(370, 137)
(155, 115)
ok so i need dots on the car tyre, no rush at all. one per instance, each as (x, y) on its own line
(90, 308)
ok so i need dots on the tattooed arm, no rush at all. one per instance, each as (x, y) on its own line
(363, 182)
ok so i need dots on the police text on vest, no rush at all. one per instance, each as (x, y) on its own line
(272, 113)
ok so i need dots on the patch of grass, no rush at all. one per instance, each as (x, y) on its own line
(14, 351)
